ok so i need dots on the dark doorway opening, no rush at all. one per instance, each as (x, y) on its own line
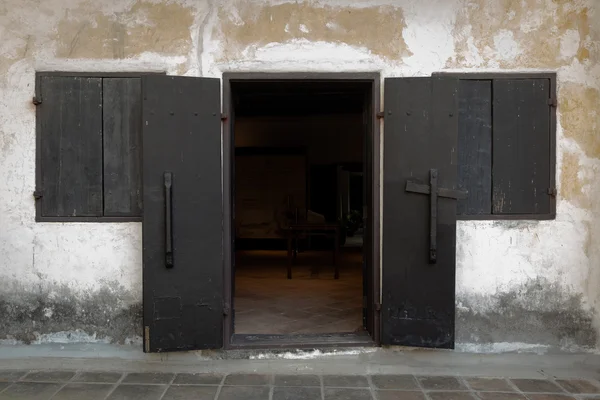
(300, 197)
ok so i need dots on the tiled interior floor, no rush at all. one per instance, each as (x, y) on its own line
(73, 385)
(266, 302)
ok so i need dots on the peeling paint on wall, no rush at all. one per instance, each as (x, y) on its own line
(244, 26)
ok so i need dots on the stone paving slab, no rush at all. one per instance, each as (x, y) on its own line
(107, 385)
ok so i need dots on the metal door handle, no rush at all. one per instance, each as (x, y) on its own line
(433, 175)
(168, 179)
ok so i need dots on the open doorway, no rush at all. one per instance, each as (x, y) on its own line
(301, 191)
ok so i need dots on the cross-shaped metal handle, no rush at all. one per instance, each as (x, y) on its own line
(434, 192)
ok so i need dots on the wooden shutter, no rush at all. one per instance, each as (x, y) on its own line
(122, 117)
(475, 146)
(521, 169)
(70, 141)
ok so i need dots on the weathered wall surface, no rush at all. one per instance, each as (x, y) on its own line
(518, 284)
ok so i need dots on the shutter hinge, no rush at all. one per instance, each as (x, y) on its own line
(553, 102)
(377, 306)
(226, 309)
(37, 194)
(552, 192)
(36, 101)
(381, 114)
(147, 339)
(223, 116)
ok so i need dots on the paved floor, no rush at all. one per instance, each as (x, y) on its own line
(87, 385)
(266, 302)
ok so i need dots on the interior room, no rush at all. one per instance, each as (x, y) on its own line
(299, 193)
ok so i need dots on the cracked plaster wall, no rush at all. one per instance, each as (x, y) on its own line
(520, 284)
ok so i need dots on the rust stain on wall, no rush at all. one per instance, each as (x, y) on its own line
(147, 27)
(580, 116)
(537, 28)
(378, 29)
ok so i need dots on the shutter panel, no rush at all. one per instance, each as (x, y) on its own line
(521, 170)
(475, 146)
(122, 146)
(71, 146)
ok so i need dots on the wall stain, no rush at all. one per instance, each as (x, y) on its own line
(162, 28)
(245, 24)
(572, 186)
(536, 28)
(539, 312)
(580, 116)
(108, 313)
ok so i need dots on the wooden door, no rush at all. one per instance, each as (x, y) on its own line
(419, 212)
(183, 216)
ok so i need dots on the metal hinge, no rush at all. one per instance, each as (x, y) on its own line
(147, 339)
(37, 194)
(552, 192)
(553, 102)
(223, 116)
(36, 101)
(226, 308)
(377, 306)
(381, 114)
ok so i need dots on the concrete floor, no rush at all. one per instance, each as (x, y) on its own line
(266, 302)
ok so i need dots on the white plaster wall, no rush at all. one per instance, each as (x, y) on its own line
(492, 257)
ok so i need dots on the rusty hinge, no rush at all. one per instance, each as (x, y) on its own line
(377, 306)
(147, 339)
(223, 116)
(553, 102)
(36, 101)
(37, 194)
(381, 114)
(552, 192)
(226, 309)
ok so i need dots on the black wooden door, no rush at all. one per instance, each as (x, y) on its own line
(419, 224)
(182, 225)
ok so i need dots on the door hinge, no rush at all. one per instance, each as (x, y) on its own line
(381, 114)
(377, 306)
(37, 194)
(147, 339)
(552, 192)
(226, 309)
(36, 101)
(223, 116)
(553, 102)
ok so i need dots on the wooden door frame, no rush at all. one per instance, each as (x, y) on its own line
(228, 147)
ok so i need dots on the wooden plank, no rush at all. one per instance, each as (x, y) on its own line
(418, 298)
(521, 168)
(475, 146)
(122, 104)
(71, 146)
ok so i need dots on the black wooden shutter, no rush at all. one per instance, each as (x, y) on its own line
(183, 218)
(71, 146)
(521, 170)
(418, 299)
(475, 146)
(122, 100)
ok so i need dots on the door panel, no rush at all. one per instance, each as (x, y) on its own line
(420, 135)
(182, 224)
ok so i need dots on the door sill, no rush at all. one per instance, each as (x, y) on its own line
(266, 341)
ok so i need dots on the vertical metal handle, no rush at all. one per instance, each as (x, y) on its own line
(168, 180)
(433, 195)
